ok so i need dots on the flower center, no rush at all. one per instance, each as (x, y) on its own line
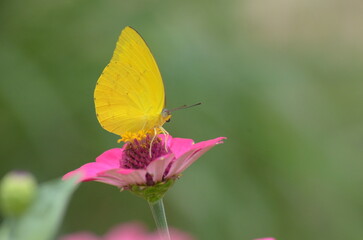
(138, 154)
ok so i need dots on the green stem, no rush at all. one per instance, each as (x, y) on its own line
(157, 209)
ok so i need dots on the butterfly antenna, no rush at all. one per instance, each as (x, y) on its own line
(184, 107)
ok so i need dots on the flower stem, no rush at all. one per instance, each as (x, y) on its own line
(157, 209)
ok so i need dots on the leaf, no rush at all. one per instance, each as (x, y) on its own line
(42, 220)
(5, 231)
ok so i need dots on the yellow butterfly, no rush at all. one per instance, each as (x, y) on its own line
(129, 95)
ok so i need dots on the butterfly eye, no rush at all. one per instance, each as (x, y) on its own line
(166, 113)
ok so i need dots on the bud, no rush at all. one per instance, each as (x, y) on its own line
(17, 192)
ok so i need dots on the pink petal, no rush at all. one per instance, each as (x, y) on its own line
(191, 156)
(110, 181)
(125, 177)
(88, 171)
(157, 167)
(130, 231)
(179, 146)
(178, 164)
(174, 234)
(111, 157)
(167, 138)
(265, 239)
(209, 142)
(106, 161)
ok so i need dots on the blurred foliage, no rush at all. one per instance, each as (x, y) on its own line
(44, 216)
(281, 79)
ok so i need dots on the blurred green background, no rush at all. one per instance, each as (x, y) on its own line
(283, 80)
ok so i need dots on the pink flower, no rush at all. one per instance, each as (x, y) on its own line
(130, 231)
(146, 163)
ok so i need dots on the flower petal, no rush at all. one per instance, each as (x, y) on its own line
(179, 164)
(179, 146)
(265, 239)
(157, 167)
(184, 161)
(125, 177)
(111, 157)
(88, 171)
(111, 181)
(209, 142)
(134, 231)
(106, 161)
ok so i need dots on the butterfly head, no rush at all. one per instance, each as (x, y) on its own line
(166, 115)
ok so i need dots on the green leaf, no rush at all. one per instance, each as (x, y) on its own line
(42, 220)
(5, 231)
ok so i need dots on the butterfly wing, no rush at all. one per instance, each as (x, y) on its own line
(129, 94)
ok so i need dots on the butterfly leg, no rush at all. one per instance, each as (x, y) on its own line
(152, 140)
(166, 135)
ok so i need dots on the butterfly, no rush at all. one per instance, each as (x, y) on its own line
(129, 95)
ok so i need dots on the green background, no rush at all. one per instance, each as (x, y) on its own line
(283, 80)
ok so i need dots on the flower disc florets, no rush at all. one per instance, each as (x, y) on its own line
(138, 154)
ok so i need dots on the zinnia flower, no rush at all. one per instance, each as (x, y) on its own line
(265, 239)
(147, 167)
(130, 231)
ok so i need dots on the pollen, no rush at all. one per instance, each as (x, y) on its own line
(142, 134)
